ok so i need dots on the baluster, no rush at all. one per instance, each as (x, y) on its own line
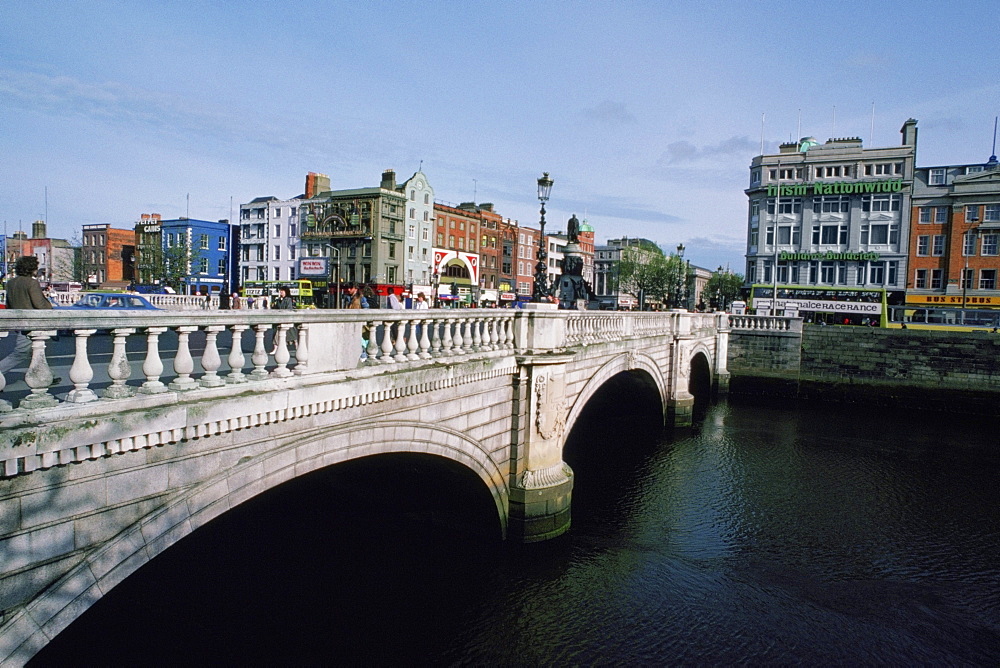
(4, 404)
(152, 367)
(372, 350)
(259, 357)
(236, 358)
(412, 341)
(511, 343)
(494, 336)
(302, 351)
(119, 369)
(210, 359)
(400, 342)
(281, 354)
(38, 376)
(467, 335)
(456, 339)
(425, 341)
(387, 344)
(183, 362)
(447, 342)
(477, 339)
(81, 373)
(435, 326)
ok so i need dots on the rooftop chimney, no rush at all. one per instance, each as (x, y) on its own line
(388, 180)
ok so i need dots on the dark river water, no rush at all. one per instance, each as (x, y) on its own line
(820, 535)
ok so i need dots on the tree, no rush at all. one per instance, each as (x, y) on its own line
(179, 262)
(723, 288)
(639, 272)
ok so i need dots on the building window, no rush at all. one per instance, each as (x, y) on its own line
(941, 215)
(222, 267)
(920, 279)
(827, 272)
(923, 244)
(425, 234)
(989, 244)
(938, 244)
(829, 235)
(876, 273)
(882, 202)
(392, 251)
(203, 266)
(203, 241)
(277, 252)
(969, 243)
(971, 213)
(413, 212)
(936, 276)
(411, 231)
(992, 213)
(879, 234)
(925, 214)
(754, 208)
(967, 277)
(222, 243)
(788, 235)
(832, 204)
(988, 279)
(413, 196)
(790, 206)
(937, 177)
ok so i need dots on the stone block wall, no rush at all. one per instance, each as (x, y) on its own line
(954, 360)
(752, 351)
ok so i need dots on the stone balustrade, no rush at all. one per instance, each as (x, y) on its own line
(771, 323)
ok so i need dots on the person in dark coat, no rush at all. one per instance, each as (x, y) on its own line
(24, 292)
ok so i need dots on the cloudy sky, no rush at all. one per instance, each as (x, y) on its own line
(646, 113)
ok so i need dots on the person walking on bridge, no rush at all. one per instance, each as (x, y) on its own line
(24, 292)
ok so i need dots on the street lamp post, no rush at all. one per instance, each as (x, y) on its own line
(542, 268)
(681, 280)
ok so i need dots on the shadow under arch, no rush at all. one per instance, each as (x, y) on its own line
(701, 384)
(642, 367)
(153, 534)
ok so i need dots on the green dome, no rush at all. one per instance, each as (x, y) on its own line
(586, 227)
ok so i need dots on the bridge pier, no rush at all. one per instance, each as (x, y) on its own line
(541, 510)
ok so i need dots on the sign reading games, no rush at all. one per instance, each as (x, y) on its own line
(855, 188)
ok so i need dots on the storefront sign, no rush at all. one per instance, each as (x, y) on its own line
(823, 305)
(313, 266)
(828, 256)
(953, 300)
(841, 188)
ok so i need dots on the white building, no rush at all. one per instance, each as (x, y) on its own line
(269, 239)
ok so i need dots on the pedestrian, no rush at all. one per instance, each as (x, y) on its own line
(394, 302)
(235, 302)
(355, 300)
(421, 302)
(24, 292)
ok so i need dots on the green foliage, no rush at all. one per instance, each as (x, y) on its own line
(653, 278)
(722, 288)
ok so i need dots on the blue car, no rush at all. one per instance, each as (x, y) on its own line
(114, 301)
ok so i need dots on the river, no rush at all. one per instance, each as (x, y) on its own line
(819, 535)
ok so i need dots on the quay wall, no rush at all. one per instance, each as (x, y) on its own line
(932, 370)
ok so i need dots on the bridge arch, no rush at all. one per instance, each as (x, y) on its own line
(139, 543)
(626, 362)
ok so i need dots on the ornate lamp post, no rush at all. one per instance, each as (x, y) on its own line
(541, 291)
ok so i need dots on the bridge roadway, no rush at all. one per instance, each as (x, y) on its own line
(97, 477)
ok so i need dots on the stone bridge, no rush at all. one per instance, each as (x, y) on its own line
(188, 414)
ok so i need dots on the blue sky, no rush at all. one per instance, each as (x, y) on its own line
(646, 114)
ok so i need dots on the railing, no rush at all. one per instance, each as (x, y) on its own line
(771, 323)
(169, 302)
(151, 352)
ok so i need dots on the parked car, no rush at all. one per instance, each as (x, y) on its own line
(113, 301)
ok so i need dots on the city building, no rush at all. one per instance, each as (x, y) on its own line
(606, 259)
(108, 256)
(456, 267)
(527, 252)
(418, 261)
(361, 231)
(506, 278)
(832, 215)
(954, 236)
(269, 241)
(185, 254)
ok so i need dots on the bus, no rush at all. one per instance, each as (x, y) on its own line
(833, 305)
(944, 318)
(301, 291)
